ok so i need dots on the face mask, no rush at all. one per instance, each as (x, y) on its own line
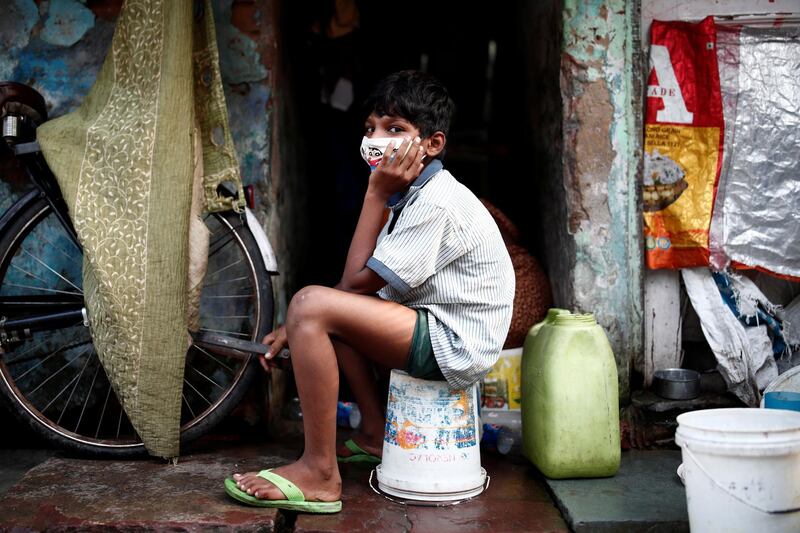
(372, 149)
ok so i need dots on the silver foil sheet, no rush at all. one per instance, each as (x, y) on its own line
(757, 211)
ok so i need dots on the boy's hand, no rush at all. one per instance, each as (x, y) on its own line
(276, 341)
(397, 170)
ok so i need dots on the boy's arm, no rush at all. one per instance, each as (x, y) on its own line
(357, 277)
(392, 175)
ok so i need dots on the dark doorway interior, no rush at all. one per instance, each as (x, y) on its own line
(337, 50)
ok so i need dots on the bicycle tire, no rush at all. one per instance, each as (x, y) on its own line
(235, 231)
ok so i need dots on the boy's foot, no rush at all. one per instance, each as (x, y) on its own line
(369, 445)
(317, 486)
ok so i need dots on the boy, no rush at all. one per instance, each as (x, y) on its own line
(445, 286)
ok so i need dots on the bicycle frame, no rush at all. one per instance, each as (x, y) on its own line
(31, 156)
(18, 132)
(49, 315)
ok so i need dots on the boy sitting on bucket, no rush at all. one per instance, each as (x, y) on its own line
(445, 288)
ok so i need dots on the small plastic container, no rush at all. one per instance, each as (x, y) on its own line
(348, 415)
(509, 442)
(782, 400)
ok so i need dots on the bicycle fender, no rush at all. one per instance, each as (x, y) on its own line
(267, 254)
(18, 206)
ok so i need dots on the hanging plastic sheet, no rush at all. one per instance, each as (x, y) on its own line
(683, 143)
(729, 308)
(757, 213)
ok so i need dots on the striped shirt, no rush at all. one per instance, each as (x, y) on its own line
(441, 251)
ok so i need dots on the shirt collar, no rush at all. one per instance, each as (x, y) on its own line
(398, 199)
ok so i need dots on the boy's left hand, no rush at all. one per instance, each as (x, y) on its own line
(277, 342)
(396, 172)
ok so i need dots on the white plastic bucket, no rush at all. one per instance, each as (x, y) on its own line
(431, 445)
(742, 469)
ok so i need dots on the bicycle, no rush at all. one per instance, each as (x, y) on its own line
(50, 375)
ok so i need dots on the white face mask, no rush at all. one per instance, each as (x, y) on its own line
(372, 149)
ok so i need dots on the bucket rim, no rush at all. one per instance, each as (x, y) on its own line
(786, 421)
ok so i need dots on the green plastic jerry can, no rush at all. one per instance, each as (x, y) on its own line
(570, 398)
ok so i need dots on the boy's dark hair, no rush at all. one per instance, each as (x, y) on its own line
(415, 96)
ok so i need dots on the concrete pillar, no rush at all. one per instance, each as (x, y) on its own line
(594, 254)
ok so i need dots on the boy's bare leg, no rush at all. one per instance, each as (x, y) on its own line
(360, 375)
(379, 329)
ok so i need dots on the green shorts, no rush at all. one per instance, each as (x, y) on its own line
(421, 362)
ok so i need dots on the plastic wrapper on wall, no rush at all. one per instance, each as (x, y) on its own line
(757, 213)
(683, 143)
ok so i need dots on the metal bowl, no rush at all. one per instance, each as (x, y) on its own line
(677, 383)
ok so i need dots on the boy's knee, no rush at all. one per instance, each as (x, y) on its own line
(306, 303)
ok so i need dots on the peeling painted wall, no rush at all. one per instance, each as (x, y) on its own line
(58, 47)
(600, 158)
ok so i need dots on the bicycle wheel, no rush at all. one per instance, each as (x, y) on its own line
(53, 380)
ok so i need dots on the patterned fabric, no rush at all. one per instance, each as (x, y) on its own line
(124, 161)
(445, 254)
(220, 165)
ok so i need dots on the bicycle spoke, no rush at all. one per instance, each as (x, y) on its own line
(43, 289)
(225, 282)
(31, 393)
(208, 378)
(103, 412)
(88, 394)
(191, 411)
(225, 268)
(197, 392)
(40, 363)
(65, 254)
(119, 420)
(214, 249)
(29, 274)
(245, 335)
(29, 350)
(231, 297)
(215, 359)
(74, 380)
(53, 271)
(89, 358)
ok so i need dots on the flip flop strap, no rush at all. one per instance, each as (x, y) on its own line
(289, 489)
(351, 445)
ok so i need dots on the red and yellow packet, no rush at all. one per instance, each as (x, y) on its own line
(683, 143)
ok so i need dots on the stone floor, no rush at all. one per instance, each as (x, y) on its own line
(47, 490)
(73, 494)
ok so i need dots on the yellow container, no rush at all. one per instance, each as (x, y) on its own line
(570, 398)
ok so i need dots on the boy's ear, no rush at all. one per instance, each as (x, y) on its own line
(436, 144)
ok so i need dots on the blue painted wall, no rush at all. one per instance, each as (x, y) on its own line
(58, 46)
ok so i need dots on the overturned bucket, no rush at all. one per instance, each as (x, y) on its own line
(742, 469)
(430, 447)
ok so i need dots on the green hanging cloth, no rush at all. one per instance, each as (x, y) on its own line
(125, 162)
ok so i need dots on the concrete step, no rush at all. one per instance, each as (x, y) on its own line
(645, 496)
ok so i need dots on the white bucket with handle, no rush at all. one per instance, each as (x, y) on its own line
(742, 469)
(431, 447)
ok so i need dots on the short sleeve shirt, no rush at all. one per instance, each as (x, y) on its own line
(445, 254)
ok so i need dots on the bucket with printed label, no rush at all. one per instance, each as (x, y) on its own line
(431, 445)
(742, 469)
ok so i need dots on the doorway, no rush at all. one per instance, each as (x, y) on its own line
(335, 52)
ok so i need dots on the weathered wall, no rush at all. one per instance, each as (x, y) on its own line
(602, 265)
(58, 47)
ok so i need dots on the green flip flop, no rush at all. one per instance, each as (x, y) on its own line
(360, 455)
(295, 499)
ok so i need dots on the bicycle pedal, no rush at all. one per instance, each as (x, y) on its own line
(226, 345)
